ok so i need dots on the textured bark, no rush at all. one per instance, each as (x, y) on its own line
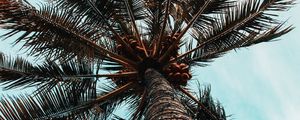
(162, 101)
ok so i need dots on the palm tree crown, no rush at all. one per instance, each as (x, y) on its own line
(85, 40)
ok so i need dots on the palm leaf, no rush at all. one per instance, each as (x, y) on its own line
(64, 102)
(267, 36)
(248, 19)
(45, 105)
(109, 9)
(112, 100)
(55, 32)
(190, 8)
(216, 111)
(19, 72)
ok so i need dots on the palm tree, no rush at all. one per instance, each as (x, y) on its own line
(144, 48)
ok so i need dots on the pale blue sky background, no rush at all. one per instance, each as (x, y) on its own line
(261, 82)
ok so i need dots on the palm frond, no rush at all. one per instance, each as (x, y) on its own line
(190, 8)
(114, 96)
(21, 73)
(248, 19)
(59, 102)
(55, 32)
(108, 9)
(208, 108)
(64, 102)
(269, 35)
(200, 11)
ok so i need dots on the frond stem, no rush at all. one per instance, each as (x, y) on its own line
(157, 44)
(135, 27)
(124, 74)
(182, 33)
(115, 92)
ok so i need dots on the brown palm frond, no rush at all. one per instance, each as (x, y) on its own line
(62, 102)
(247, 41)
(190, 23)
(209, 56)
(108, 9)
(115, 75)
(45, 104)
(202, 107)
(269, 35)
(191, 7)
(21, 73)
(115, 92)
(113, 96)
(199, 103)
(54, 32)
(248, 18)
(101, 107)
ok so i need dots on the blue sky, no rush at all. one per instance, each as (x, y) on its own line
(256, 83)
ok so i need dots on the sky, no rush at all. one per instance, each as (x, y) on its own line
(255, 83)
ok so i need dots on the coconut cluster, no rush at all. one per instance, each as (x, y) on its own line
(177, 73)
(134, 44)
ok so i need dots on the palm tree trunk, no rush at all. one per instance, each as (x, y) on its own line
(162, 101)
